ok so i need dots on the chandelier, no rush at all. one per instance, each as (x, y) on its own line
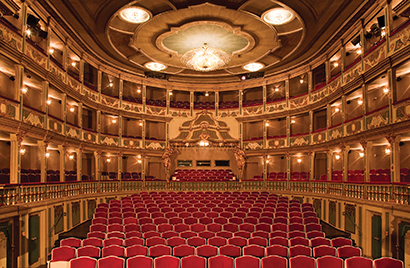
(205, 58)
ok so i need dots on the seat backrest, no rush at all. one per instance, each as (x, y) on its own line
(63, 253)
(274, 261)
(324, 250)
(220, 261)
(193, 261)
(302, 262)
(358, 262)
(246, 262)
(166, 262)
(348, 252)
(329, 261)
(139, 262)
(83, 262)
(387, 262)
(111, 262)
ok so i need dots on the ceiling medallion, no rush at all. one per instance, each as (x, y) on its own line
(135, 15)
(205, 58)
(155, 66)
(253, 66)
(278, 16)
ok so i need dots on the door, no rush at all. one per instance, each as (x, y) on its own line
(34, 239)
(5, 244)
(376, 236)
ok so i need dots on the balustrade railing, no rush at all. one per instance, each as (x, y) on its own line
(12, 194)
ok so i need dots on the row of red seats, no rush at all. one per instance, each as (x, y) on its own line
(240, 262)
(213, 241)
(65, 253)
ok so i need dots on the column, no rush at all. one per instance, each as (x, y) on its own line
(327, 68)
(99, 82)
(63, 150)
(287, 89)
(265, 169)
(15, 156)
(18, 85)
(80, 119)
(264, 98)
(216, 103)
(344, 151)
(265, 131)
(288, 164)
(98, 126)
(312, 165)
(143, 133)
(79, 154)
(394, 157)
(120, 90)
(241, 134)
(144, 98)
(288, 122)
(367, 149)
(64, 111)
(191, 100)
(329, 155)
(81, 68)
(328, 117)
(42, 146)
(119, 162)
(45, 86)
(392, 90)
(168, 98)
(240, 101)
(23, 28)
(97, 158)
(310, 83)
(310, 124)
(167, 134)
(120, 126)
(143, 161)
(343, 109)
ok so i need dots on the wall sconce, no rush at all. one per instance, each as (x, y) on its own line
(140, 123)
(337, 110)
(387, 151)
(206, 94)
(337, 157)
(108, 160)
(138, 91)
(47, 155)
(276, 89)
(51, 50)
(114, 121)
(301, 80)
(299, 160)
(28, 32)
(292, 121)
(72, 109)
(139, 161)
(22, 151)
(361, 154)
(170, 93)
(335, 64)
(111, 84)
(73, 64)
(386, 90)
(48, 102)
(359, 51)
(360, 102)
(71, 157)
(267, 123)
(24, 90)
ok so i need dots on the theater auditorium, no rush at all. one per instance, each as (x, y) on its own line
(206, 134)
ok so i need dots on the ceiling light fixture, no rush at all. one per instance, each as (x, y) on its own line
(155, 66)
(135, 15)
(278, 16)
(205, 58)
(253, 66)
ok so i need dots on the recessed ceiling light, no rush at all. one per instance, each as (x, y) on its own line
(253, 67)
(135, 15)
(278, 16)
(155, 66)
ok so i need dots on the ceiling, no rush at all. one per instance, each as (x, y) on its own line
(176, 26)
